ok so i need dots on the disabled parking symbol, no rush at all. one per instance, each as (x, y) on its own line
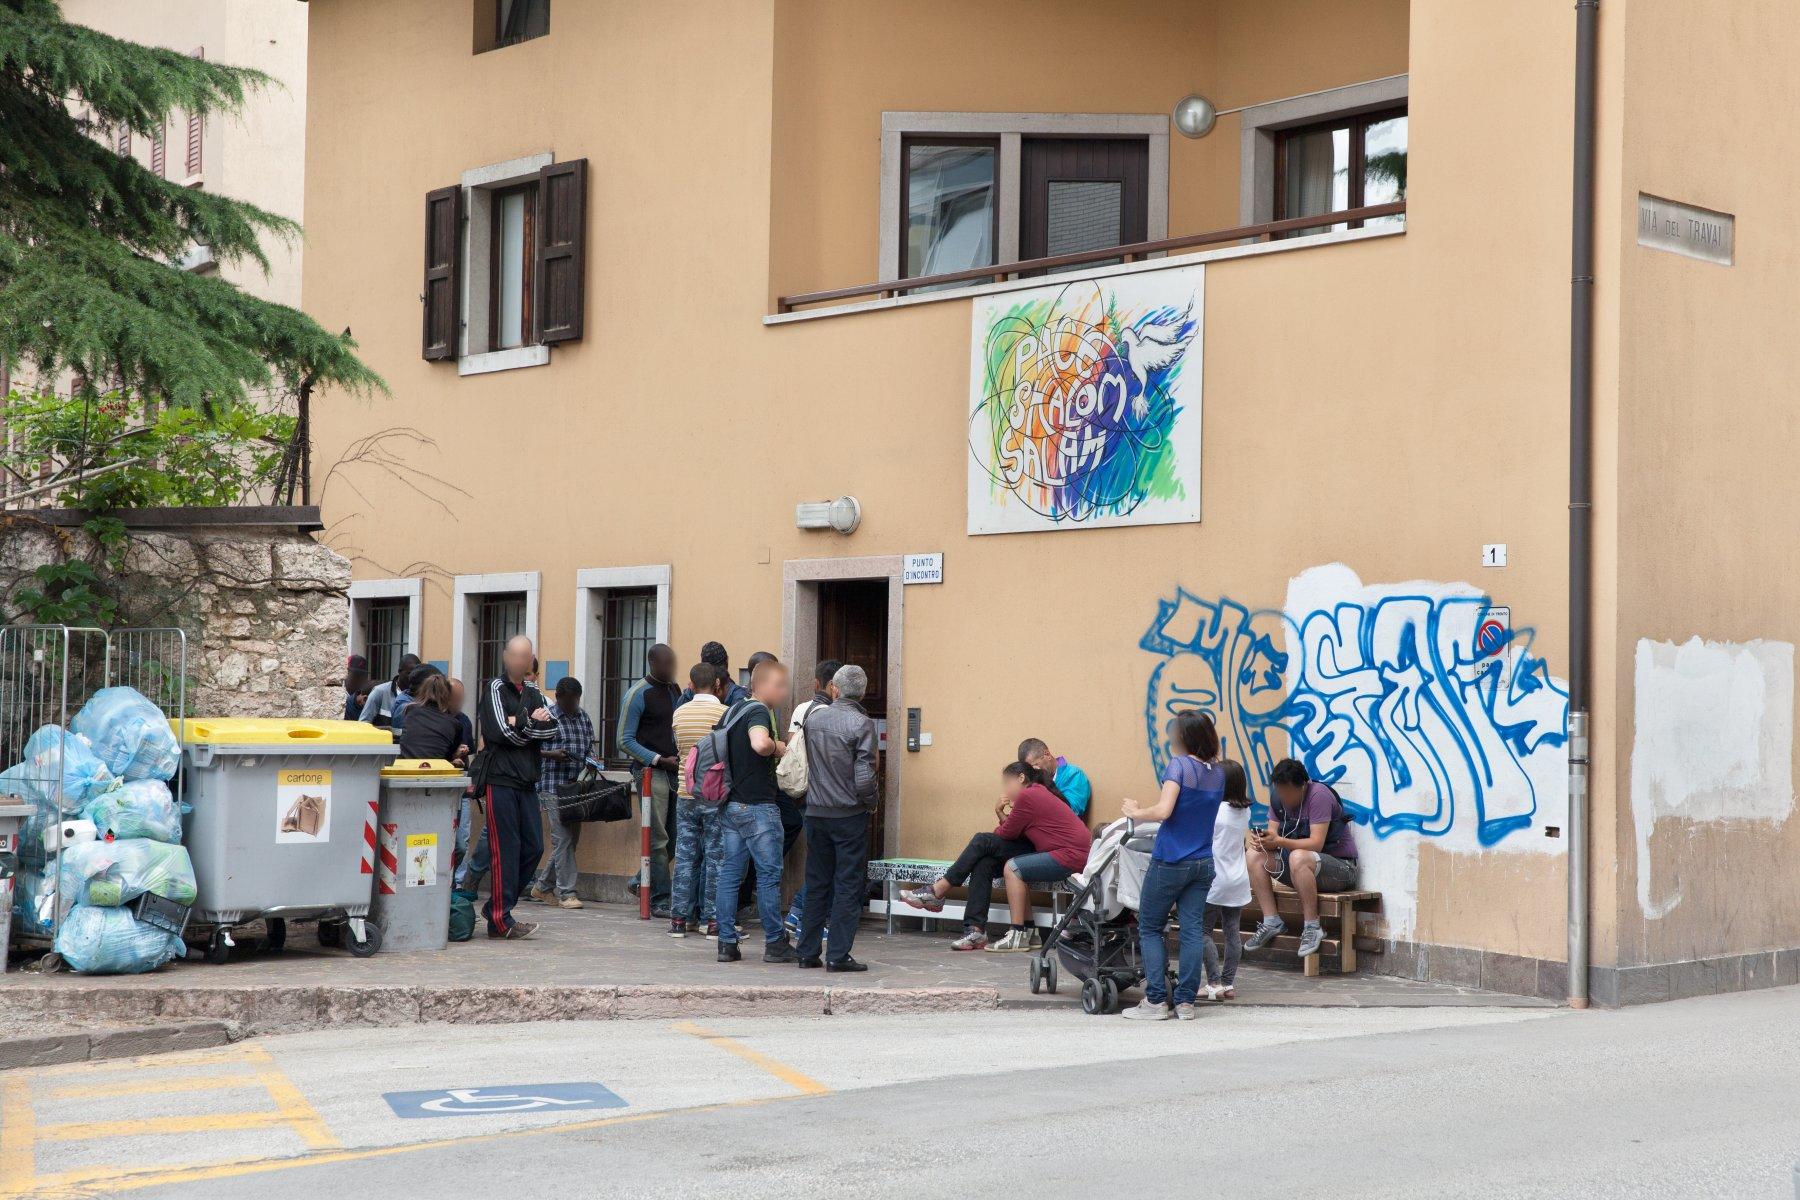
(503, 1100)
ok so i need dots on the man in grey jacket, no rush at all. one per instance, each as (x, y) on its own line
(841, 790)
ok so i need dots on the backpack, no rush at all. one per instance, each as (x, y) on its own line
(708, 763)
(791, 772)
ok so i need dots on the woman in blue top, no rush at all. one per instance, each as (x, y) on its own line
(1181, 866)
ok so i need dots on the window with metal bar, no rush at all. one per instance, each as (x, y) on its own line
(499, 619)
(385, 636)
(627, 631)
(1342, 163)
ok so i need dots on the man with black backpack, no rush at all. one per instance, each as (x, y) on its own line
(1307, 845)
(750, 817)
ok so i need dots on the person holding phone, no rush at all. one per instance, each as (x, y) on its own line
(1308, 846)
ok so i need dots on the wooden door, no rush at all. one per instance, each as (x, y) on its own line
(1082, 194)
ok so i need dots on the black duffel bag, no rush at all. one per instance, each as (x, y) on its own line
(590, 796)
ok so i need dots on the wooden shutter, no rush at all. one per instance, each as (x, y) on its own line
(196, 128)
(122, 141)
(443, 260)
(561, 251)
(159, 152)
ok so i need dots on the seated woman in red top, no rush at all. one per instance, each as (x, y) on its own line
(1039, 840)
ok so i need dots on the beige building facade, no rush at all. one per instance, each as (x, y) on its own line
(1316, 483)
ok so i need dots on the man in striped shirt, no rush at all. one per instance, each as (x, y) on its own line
(696, 825)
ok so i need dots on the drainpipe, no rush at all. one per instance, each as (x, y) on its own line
(1581, 507)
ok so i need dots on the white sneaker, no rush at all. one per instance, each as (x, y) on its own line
(1147, 1010)
(1186, 1012)
(1212, 993)
(1016, 941)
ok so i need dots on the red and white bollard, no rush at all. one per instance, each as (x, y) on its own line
(645, 794)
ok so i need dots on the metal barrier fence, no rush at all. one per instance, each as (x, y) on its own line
(47, 672)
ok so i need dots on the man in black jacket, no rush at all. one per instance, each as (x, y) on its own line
(515, 724)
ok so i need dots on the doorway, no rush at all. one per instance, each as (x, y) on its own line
(1080, 194)
(853, 628)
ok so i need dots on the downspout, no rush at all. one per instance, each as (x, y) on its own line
(1581, 507)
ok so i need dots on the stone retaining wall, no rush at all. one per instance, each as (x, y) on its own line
(264, 606)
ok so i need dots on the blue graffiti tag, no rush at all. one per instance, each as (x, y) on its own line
(1413, 704)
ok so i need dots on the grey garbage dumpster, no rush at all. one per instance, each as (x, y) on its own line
(282, 825)
(417, 835)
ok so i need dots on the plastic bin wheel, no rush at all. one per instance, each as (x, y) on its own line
(331, 934)
(1050, 976)
(369, 945)
(1036, 971)
(274, 935)
(218, 951)
(1093, 1000)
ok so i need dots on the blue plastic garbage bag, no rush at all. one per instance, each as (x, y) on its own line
(110, 941)
(32, 902)
(129, 734)
(18, 781)
(84, 776)
(143, 808)
(106, 874)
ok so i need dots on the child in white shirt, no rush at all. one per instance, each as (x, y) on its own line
(1230, 890)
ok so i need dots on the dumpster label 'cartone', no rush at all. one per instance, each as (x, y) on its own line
(421, 859)
(303, 806)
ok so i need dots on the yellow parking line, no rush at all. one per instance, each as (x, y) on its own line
(151, 1087)
(18, 1139)
(77, 1131)
(158, 1062)
(788, 1075)
(293, 1108)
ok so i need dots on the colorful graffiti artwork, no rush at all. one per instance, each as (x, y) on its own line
(1429, 715)
(1085, 404)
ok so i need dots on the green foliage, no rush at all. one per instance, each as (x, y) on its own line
(172, 457)
(88, 239)
(67, 593)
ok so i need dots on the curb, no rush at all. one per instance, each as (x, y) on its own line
(85, 1045)
(253, 1010)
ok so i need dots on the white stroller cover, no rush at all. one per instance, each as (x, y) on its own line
(1118, 859)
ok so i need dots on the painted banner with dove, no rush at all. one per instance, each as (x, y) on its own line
(1085, 404)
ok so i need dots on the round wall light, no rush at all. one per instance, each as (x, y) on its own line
(1195, 116)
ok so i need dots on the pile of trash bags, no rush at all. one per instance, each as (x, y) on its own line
(106, 831)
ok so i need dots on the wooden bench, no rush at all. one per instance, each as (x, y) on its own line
(892, 873)
(1337, 915)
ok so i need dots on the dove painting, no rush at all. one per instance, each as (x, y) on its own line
(1085, 404)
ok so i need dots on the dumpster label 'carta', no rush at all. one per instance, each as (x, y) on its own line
(303, 806)
(421, 859)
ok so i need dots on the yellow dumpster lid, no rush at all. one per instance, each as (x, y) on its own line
(278, 731)
(420, 768)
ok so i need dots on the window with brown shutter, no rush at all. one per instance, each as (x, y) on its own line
(196, 128)
(443, 254)
(159, 152)
(122, 141)
(562, 251)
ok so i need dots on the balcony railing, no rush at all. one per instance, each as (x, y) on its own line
(1131, 252)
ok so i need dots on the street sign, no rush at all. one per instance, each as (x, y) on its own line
(502, 1100)
(923, 568)
(1494, 632)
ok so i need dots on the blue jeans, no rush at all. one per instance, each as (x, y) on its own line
(1181, 886)
(749, 832)
(696, 861)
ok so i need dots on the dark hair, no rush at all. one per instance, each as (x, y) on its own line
(419, 676)
(1290, 772)
(1030, 748)
(568, 685)
(1195, 734)
(824, 671)
(713, 654)
(1030, 774)
(702, 676)
(433, 691)
(759, 658)
(1237, 784)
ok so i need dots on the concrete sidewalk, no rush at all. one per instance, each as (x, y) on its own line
(602, 963)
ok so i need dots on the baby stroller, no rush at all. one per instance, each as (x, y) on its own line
(1097, 939)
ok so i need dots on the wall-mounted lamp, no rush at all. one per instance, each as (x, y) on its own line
(843, 514)
(1195, 116)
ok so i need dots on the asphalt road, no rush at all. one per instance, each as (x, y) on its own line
(1693, 1099)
